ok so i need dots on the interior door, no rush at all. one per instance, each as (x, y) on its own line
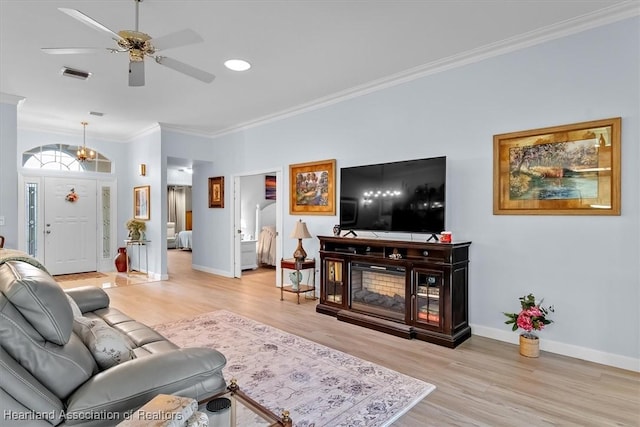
(70, 225)
(237, 235)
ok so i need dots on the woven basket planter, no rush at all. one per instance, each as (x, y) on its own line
(529, 347)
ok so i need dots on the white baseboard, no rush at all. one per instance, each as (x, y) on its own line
(584, 353)
(212, 270)
(157, 276)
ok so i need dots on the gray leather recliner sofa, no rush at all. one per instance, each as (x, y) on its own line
(48, 375)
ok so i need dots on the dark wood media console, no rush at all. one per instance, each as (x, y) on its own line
(405, 288)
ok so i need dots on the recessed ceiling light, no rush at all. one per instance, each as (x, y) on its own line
(237, 64)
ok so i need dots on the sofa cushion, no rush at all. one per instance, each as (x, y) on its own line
(39, 299)
(108, 346)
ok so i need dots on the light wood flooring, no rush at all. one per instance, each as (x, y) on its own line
(483, 382)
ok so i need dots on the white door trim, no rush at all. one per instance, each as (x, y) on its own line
(235, 216)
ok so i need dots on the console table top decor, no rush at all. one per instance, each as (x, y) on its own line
(405, 288)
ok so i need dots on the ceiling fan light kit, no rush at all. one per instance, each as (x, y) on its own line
(139, 45)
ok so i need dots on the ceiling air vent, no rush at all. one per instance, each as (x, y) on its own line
(78, 74)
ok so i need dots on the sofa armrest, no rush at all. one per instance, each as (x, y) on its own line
(89, 298)
(131, 384)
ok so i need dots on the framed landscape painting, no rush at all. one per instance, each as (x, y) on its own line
(313, 188)
(563, 170)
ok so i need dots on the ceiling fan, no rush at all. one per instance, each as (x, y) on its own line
(139, 45)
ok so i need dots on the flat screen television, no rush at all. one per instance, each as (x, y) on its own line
(406, 196)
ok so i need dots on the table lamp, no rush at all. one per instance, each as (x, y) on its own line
(300, 232)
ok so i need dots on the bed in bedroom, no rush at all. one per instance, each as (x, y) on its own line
(183, 239)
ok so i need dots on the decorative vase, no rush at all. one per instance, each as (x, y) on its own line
(121, 260)
(336, 230)
(134, 234)
(529, 346)
(295, 279)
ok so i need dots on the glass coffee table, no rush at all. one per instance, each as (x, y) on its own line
(233, 408)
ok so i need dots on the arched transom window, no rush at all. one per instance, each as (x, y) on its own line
(63, 157)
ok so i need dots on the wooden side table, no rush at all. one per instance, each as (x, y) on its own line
(298, 266)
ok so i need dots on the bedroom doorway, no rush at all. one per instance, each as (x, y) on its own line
(179, 216)
(257, 222)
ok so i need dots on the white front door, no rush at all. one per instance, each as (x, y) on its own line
(70, 227)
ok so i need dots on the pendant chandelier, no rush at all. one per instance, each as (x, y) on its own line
(83, 154)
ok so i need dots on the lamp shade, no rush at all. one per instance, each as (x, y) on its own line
(300, 231)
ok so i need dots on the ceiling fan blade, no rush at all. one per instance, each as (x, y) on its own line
(70, 50)
(136, 73)
(76, 14)
(180, 38)
(187, 69)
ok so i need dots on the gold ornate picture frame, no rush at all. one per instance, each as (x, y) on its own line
(216, 192)
(562, 170)
(141, 202)
(313, 188)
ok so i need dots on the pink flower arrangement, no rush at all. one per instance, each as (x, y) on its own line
(532, 316)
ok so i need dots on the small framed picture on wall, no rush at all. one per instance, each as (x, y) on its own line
(270, 187)
(216, 192)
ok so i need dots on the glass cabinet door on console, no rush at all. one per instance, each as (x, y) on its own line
(429, 296)
(333, 274)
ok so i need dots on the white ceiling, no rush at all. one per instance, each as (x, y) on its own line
(304, 54)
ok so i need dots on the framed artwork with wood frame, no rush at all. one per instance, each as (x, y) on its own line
(216, 192)
(141, 202)
(562, 170)
(313, 188)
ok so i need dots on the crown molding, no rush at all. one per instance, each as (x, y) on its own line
(609, 15)
(143, 132)
(6, 98)
(184, 130)
(34, 127)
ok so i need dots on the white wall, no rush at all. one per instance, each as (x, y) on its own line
(587, 266)
(176, 177)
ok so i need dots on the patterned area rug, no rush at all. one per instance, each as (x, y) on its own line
(78, 276)
(318, 385)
